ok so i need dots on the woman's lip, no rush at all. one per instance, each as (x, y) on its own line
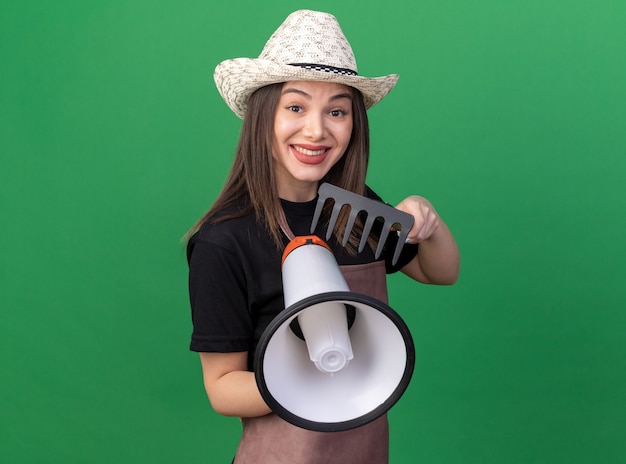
(309, 154)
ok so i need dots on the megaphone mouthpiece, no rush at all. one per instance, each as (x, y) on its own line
(325, 330)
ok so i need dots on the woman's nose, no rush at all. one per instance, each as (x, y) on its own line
(314, 127)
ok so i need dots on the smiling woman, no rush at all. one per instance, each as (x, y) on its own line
(304, 122)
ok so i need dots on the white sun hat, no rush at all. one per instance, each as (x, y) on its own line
(308, 46)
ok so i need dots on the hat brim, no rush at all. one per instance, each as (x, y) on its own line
(239, 78)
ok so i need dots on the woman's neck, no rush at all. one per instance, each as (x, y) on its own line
(299, 193)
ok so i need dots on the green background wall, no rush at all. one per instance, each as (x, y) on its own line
(509, 115)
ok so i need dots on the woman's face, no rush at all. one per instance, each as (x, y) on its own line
(312, 129)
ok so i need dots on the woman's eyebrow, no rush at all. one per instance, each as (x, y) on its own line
(307, 96)
(298, 91)
(340, 96)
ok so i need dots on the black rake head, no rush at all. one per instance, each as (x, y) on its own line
(392, 218)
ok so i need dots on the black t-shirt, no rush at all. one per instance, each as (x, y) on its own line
(235, 281)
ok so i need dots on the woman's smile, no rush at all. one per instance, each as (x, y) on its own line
(310, 155)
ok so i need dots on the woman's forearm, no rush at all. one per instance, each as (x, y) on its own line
(232, 390)
(237, 394)
(438, 258)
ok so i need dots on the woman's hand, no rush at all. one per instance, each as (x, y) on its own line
(426, 218)
(437, 261)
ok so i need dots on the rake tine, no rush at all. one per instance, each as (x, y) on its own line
(384, 233)
(318, 212)
(369, 222)
(402, 235)
(351, 219)
(333, 219)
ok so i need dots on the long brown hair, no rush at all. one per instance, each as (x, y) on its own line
(251, 186)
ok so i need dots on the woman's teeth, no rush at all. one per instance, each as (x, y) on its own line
(306, 152)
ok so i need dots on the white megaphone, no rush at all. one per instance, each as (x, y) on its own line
(333, 359)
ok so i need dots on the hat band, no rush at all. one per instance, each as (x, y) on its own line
(325, 68)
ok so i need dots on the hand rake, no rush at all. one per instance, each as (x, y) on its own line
(391, 217)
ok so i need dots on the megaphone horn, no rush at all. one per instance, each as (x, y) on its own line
(333, 359)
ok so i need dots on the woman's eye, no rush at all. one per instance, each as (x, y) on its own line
(294, 108)
(337, 113)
